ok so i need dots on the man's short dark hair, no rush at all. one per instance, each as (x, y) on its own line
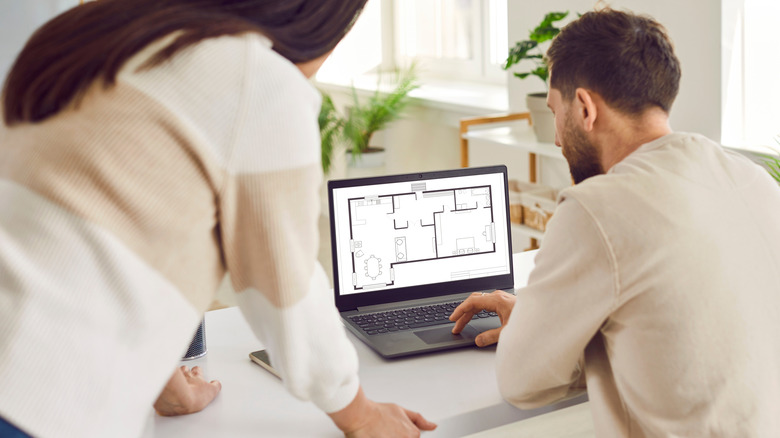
(627, 59)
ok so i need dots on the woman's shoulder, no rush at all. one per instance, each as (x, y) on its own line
(227, 92)
(222, 58)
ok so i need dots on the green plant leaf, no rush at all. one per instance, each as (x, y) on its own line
(330, 123)
(557, 16)
(546, 31)
(775, 172)
(363, 119)
(382, 110)
(520, 52)
(773, 166)
(541, 73)
(542, 34)
(530, 49)
(772, 161)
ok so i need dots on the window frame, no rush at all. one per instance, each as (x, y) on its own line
(478, 69)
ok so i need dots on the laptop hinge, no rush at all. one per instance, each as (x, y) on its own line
(413, 303)
(422, 301)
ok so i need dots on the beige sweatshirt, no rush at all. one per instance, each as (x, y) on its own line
(664, 275)
(119, 218)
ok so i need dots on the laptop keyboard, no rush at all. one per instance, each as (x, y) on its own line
(409, 319)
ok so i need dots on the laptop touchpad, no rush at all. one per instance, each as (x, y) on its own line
(444, 334)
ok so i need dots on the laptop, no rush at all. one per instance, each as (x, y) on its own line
(408, 248)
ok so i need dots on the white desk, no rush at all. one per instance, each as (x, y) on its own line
(456, 389)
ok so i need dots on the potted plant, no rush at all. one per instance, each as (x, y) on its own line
(773, 166)
(361, 121)
(772, 161)
(530, 50)
(330, 126)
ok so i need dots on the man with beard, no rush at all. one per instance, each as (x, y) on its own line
(656, 286)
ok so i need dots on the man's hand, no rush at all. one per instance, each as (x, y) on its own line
(187, 392)
(498, 301)
(366, 418)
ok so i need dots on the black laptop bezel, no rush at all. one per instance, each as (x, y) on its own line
(349, 302)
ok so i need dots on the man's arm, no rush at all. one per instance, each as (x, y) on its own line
(546, 327)
(570, 294)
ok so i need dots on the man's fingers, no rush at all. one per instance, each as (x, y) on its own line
(488, 337)
(460, 324)
(419, 420)
(217, 384)
(462, 308)
(474, 304)
(468, 308)
(197, 371)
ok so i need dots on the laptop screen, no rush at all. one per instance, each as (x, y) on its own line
(419, 235)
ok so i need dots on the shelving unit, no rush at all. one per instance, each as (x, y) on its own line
(508, 130)
(514, 136)
(528, 231)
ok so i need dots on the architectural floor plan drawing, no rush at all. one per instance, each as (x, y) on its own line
(388, 231)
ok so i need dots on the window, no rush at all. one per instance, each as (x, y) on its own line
(750, 90)
(448, 39)
(461, 39)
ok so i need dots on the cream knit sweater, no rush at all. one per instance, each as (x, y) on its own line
(119, 217)
(659, 283)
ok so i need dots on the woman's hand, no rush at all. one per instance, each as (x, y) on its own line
(366, 418)
(186, 392)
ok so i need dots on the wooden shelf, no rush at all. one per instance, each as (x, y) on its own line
(528, 231)
(519, 136)
(514, 132)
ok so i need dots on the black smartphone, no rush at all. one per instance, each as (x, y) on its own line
(261, 358)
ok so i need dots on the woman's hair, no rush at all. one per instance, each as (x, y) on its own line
(628, 59)
(92, 41)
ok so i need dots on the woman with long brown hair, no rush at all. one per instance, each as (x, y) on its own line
(149, 147)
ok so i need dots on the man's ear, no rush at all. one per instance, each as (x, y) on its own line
(586, 108)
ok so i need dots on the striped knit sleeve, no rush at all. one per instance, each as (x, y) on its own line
(269, 209)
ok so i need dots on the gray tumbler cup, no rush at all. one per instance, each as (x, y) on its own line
(198, 345)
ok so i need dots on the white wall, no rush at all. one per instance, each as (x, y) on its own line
(428, 139)
(694, 27)
(18, 20)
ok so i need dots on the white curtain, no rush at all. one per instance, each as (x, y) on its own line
(751, 68)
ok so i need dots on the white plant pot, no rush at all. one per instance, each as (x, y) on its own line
(369, 163)
(542, 117)
(373, 157)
